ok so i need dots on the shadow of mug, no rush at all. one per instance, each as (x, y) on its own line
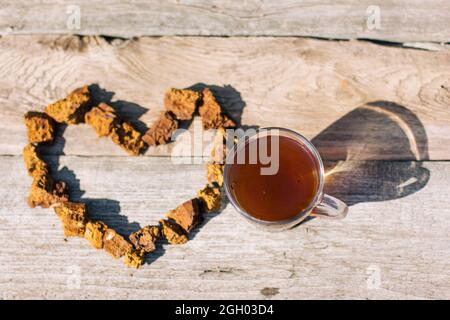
(355, 150)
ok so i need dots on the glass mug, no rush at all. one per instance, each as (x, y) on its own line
(322, 204)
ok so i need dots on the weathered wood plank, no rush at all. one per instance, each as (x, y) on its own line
(345, 19)
(356, 100)
(398, 229)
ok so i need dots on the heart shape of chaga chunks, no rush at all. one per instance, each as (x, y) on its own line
(180, 105)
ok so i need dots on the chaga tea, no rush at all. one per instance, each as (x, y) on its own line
(284, 193)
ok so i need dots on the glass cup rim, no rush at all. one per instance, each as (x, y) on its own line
(301, 215)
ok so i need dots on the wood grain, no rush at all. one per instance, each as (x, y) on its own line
(404, 236)
(356, 100)
(400, 21)
(363, 105)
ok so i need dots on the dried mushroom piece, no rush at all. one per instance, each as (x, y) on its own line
(214, 173)
(134, 258)
(145, 238)
(128, 138)
(161, 131)
(45, 192)
(181, 102)
(40, 127)
(186, 215)
(102, 118)
(115, 244)
(173, 232)
(73, 217)
(72, 108)
(36, 167)
(94, 233)
(106, 122)
(41, 192)
(211, 112)
(210, 197)
(60, 192)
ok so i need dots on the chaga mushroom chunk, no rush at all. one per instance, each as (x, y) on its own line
(173, 232)
(44, 191)
(211, 112)
(186, 215)
(161, 131)
(134, 258)
(214, 173)
(36, 167)
(128, 138)
(210, 197)
(115, 244)
(94, 233)
(40, 127)
(181, 102)
(72, 108)
(102, 118)
(105, 122)
(145, 238)
(73, 218)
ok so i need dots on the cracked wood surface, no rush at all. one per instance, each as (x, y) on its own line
(379, 116)
(404, 237)
(362, 91)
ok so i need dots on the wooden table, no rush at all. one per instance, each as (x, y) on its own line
(379, 114)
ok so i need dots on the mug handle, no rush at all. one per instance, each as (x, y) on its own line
(330, 207)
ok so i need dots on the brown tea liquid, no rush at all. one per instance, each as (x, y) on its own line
(280, 196)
